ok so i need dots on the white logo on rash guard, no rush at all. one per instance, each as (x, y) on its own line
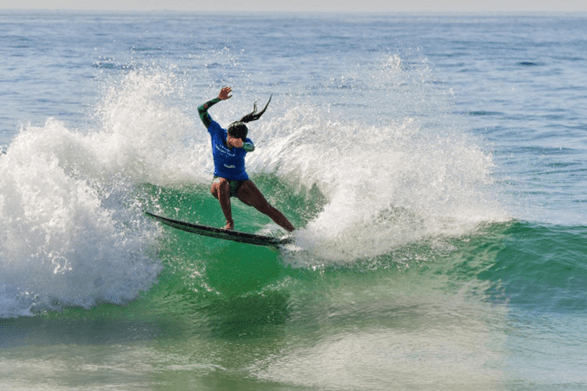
(225, 150)
(231, 166)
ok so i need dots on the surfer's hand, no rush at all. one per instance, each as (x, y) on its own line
(225, 93)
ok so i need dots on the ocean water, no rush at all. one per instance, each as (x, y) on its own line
(433, 164)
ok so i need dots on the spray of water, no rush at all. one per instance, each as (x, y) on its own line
(72, 233)
(398, 180)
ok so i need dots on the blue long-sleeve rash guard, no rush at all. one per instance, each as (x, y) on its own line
(228, 163)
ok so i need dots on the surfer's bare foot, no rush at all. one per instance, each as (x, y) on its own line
(229, 225)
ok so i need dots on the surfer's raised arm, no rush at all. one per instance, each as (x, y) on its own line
(224, 94)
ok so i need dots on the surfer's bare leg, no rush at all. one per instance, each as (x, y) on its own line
(221, 190)
(251, 195)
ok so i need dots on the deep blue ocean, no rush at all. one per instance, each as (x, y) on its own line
(434, 166)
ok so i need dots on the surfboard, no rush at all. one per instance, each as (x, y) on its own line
(219, 233)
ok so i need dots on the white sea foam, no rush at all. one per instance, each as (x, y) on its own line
(66, 238)
(397, 180)
(72, 231)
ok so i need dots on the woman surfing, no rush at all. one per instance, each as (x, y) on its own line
(229, 148)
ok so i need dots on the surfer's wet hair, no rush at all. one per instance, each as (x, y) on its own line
(238, 129)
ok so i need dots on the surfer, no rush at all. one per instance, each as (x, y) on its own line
(229, 148)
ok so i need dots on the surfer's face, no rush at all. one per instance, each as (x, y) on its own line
(233, 142)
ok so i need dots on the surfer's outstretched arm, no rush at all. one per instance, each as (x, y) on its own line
(203, 109)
